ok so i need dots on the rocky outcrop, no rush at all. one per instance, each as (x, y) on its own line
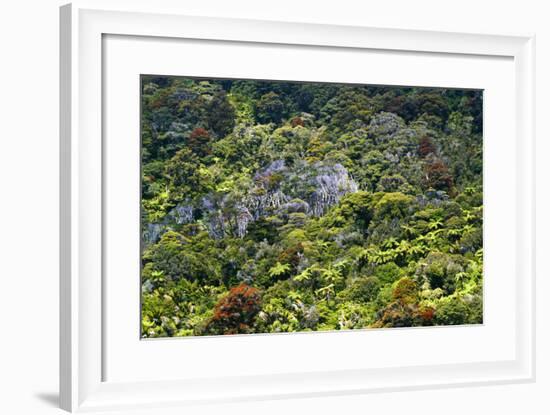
(310, 189)
(331, 184)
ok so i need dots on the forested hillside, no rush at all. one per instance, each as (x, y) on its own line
(278, 207)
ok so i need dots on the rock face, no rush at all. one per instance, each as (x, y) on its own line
(226, 218)
(179, 215)
(152, 233)
(182, 214)
(307, 188)
(262, 204)
(331, 184)
(310, 189)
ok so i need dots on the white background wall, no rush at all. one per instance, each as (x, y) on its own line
(29, 198)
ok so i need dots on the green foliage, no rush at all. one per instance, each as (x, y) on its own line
(363, 290)
(221, 114)
(452, 313)
(405, 290)
(269, 108)
(392, 205)
(274, 207)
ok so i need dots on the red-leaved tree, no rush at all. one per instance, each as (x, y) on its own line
(297, 121)
(199, 141)
(426, 146)
(235, 313)
(438, 176)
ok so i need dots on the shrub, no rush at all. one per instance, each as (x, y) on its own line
(364, 289)
(269, 108)
(292, 255)
(199, 141)
(235, 313)
(393, 183)
(297, 121)
(452, 312)
(440, 270)
(426, 146)
(393, 205)
(221, 114)
(405, 290)
(438, 176)
(397, 314)
(388, 273)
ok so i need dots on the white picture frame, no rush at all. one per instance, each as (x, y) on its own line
(84, 26)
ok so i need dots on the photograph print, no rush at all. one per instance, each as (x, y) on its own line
(277, 207)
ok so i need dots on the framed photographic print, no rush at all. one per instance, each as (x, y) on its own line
(272, 206)
(281, 224)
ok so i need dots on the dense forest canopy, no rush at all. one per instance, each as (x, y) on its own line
(273, 206)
